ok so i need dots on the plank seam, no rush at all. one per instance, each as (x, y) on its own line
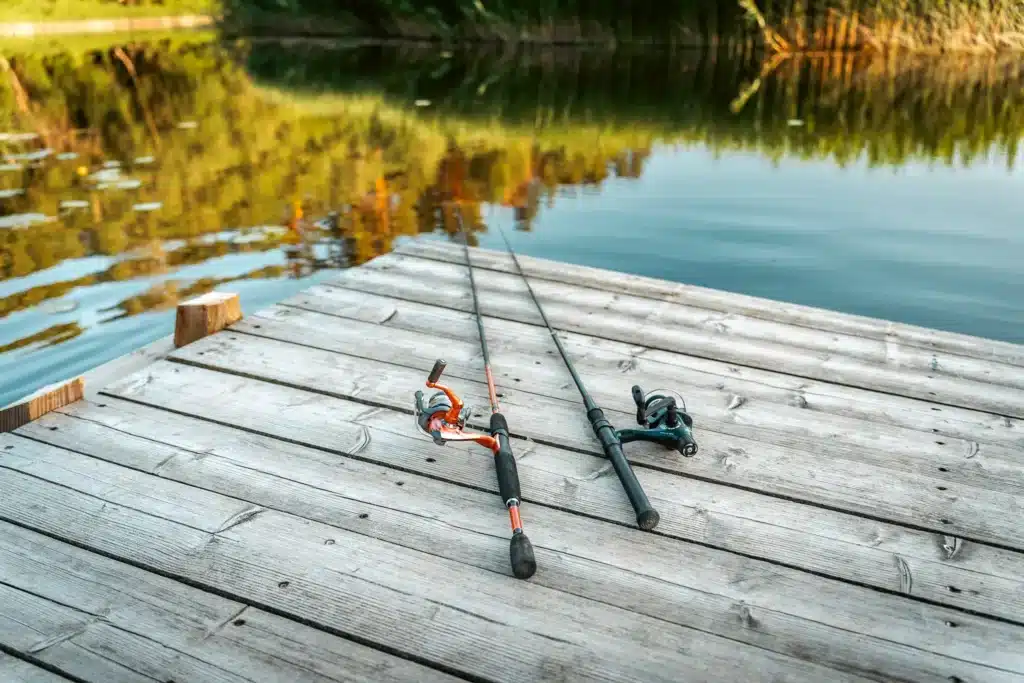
(219, 592)
(100, 618)
(473, 531)
(922, 408)
(589, 516)
(566, 447)
(46, 666)
(562, 552)
(790, 441)
(708, 357)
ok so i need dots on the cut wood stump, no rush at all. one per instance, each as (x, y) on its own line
(205, 315)
(45, 400)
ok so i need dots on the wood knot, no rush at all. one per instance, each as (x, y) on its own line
(906, 578)
(951, 545)
(735, 402)
(746, 617)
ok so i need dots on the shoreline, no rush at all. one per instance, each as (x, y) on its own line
(30, 29)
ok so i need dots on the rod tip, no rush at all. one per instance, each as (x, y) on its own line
(524, 564)
(648, 519)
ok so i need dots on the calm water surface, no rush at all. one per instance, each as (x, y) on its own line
(139, 175)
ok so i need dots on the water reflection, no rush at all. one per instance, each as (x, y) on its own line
(186, 165)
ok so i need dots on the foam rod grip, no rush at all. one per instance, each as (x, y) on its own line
(435, 372)
(520, 551)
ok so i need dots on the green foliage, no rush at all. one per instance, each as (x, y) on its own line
(59, 10)
(240, 132)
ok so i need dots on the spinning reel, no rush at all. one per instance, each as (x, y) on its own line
(663, 421)
(443, 417)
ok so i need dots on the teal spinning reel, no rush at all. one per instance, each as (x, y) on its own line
(662, 415)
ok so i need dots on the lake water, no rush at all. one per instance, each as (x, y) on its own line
(137, 175)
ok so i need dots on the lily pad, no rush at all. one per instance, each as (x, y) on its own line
(72, 204)
(126, 184)
(21, 220)
(7, 194)
(148, 206)
(18, 137)
(111, 164)
(37, 155)
(59, 306)
(795, 123)
(422, 103)
(188, 125)
(142, 161)
(67, 156)
(109, 175)
(11, 167)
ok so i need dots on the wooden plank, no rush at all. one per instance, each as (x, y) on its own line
(88, 647)
(726, 302)
(102, 620)
(39, 403)
(993, 467)
(445, 612)
(673, 327)
(940, 568)
(768, 336)
(691, 372)
(205, 315)
(686, 584)
(912, 499)
(125, 365)
(13, 670)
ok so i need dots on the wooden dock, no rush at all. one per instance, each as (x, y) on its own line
(258, 506)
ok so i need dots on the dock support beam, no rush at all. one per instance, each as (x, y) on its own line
(204, 315)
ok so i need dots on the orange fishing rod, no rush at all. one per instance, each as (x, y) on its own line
(444, 419)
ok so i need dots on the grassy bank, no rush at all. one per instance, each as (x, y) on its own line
(780, 25)
(17, 11)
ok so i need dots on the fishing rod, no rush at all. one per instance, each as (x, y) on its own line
(658, 413)
(444, 416)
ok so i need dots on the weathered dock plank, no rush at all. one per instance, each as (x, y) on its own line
(908, 498)
(95, 618)
(14, 670)
(773, 607)
(727, 302)
(448, 613)
(693, 373)
(839, 545)
(676, 327)
(257, 505)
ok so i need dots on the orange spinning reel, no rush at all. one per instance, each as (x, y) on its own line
(443, 417)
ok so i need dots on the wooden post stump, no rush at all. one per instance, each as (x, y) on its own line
(45, 400)
(204, 315)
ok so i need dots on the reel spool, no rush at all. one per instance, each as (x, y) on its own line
(438, 403)
(660, 408)
(662, 415)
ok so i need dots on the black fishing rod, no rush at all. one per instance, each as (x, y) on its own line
(658, 413)
(444, 419)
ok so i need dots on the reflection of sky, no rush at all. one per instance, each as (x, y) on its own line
(24, 370)
(929, 245)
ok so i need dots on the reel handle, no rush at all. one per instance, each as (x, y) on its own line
(435, 372)
(638, 399)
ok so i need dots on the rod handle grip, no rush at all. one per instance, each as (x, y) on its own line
(521, 555)
(435, 372)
